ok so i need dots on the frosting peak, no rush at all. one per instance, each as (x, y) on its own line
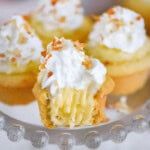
(59, 14)
(64, 65)
(18, 45)
(119, 28)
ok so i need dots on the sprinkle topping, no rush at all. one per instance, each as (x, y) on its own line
(111, 11)
(119, 28)
(50, 73)
(43, 53)
(57, 44)
(69, 67)
(59, 14)
(79, 45)
(2, 55)
(54, 2)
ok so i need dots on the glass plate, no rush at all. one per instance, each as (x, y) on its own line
(92, 136)
(14, 120)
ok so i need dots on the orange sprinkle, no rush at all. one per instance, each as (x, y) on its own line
(139, 17)
(2, 55)
(26, 17)
(87, 63)
(50, 74)
(79, 45)
(43, 53)
(13, 59)
(111, 11)
(57, 44)
(54, 2)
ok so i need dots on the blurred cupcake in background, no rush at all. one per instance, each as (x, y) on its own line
(142, 7)
(20, 52)
(61, 18)
(119, 40)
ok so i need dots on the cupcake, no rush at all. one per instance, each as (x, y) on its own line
(61, 18)
(20, 51)
(119, 40)
(71, 89)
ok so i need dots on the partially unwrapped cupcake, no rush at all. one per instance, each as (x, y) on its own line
(20, 52)
(61, 18)
(72, 88)
(119, 40)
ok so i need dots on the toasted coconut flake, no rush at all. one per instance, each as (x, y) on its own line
(57, 44)
(139, 17)
(26, 17)
(87, 63)
(111, 11)
(50, 74)
(79, 45)
(54, 2)
(13, 59)
(43, 53)
(2, 55)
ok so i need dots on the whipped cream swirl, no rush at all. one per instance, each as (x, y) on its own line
(119, 28)
(64, 65)
(18, 45)
(59, 14)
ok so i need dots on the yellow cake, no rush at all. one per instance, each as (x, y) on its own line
(60, 18)
(20, 52)
(72, 88)
(119, 40)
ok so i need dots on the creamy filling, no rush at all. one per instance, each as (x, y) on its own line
(19, 46)
(119, 28)
(72, 108)
(59, 14)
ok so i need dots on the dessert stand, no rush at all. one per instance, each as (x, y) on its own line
(92, 136)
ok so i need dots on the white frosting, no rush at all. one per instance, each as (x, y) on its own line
(119, 28)
(18, 45)
(68, 70)
(65, 14)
